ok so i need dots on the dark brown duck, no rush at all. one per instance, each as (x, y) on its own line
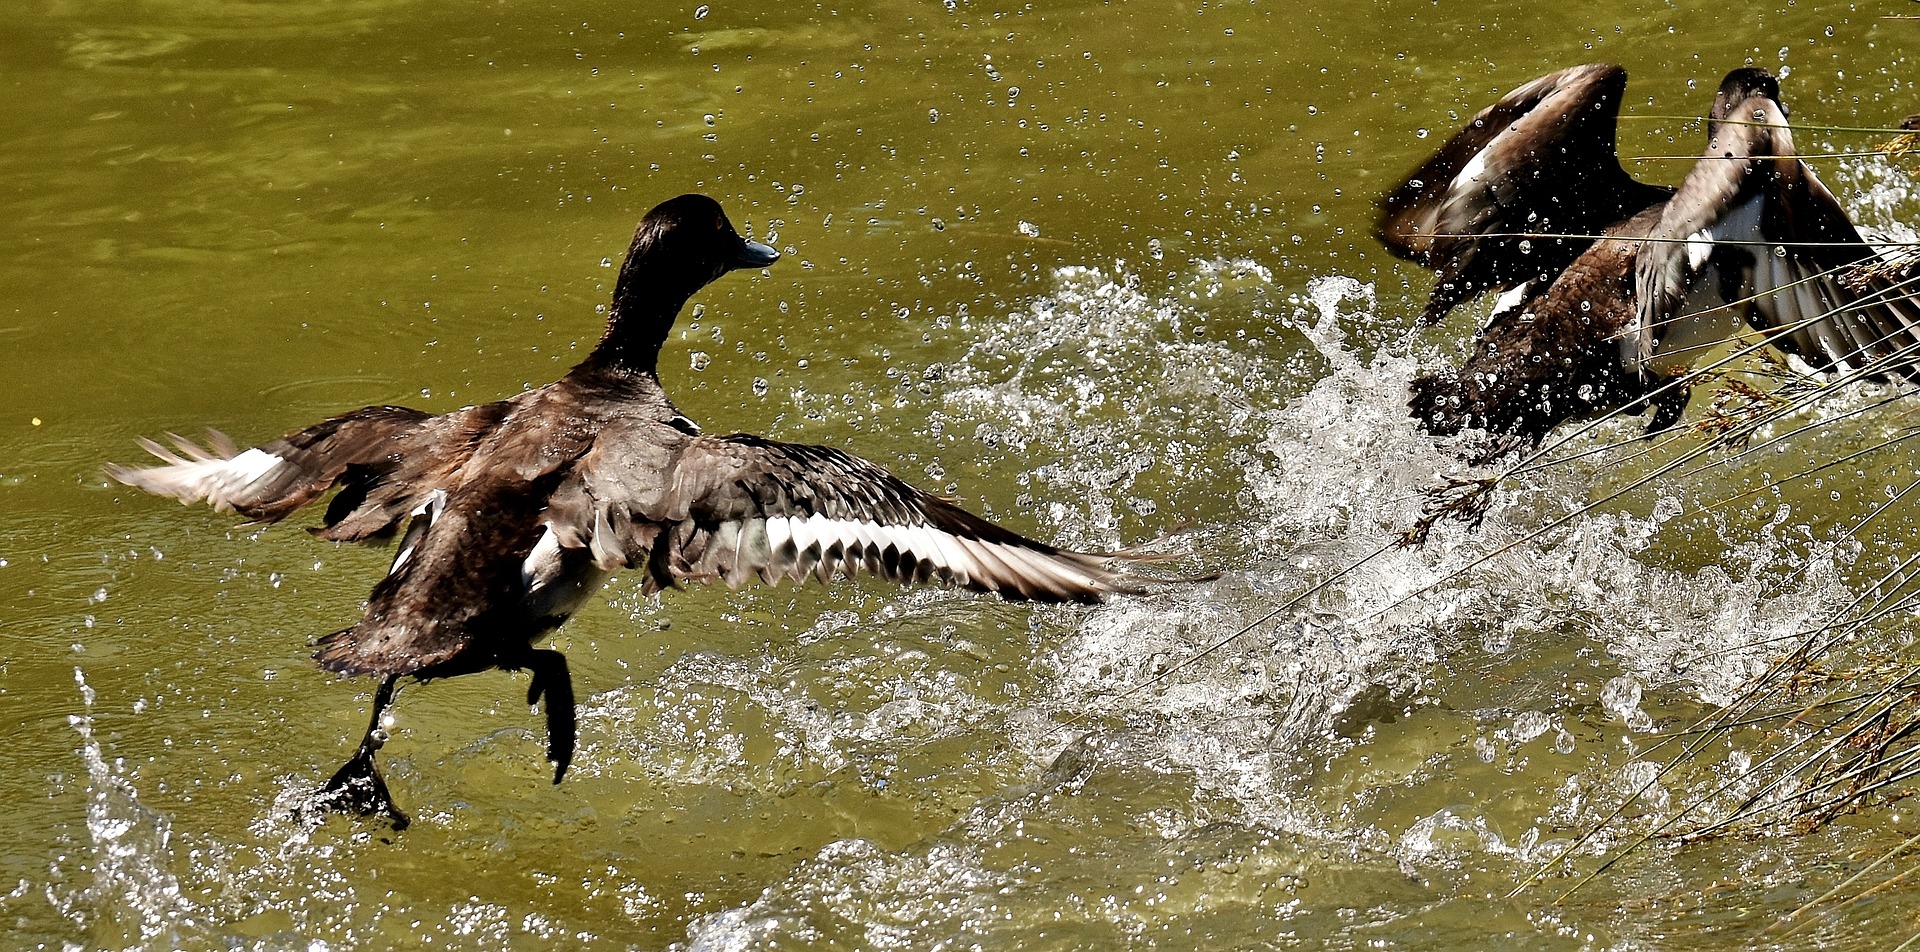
(1611, 288)
(516, 511)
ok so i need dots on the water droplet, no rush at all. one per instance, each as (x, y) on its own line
(1530, 724)
(1313, 110)
(606, 262)
(700, 12)
(1420, 133)
(700, 360)
(710, 120)
(1621, 696)
(1485, 750)
(1526, 246)
(933, 115)
(1030, 229)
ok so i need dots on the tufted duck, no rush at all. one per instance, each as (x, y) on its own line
(517, 510)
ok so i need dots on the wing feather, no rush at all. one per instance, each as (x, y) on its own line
(269, 482)
(741, 507)
(1541, 161)
(1751, 205)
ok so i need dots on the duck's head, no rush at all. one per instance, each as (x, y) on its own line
(683, 245)
(1743, 84)
(691, 236)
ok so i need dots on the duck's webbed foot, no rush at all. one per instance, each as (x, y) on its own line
(357, 786)
(552, 679)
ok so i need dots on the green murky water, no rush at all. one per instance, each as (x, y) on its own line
(1101, 269)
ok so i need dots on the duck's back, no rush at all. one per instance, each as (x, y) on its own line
(463, 573)
(1551, 353)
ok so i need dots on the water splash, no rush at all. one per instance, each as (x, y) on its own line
(134, 898)
(1310, 735)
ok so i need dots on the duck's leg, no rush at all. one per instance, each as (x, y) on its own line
(552, 679)
(357, 787)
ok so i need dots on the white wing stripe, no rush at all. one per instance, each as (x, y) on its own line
(869, 535)
(831, 533)
(779, 533)
(825, 547)
(955, 558)
(801, 531)
(915, 544)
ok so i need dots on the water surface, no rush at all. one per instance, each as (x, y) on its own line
(1101, 270)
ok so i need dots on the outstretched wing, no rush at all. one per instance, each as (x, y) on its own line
(270, 481)
(740, 507)
(1542, 161)
(1753, 231)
